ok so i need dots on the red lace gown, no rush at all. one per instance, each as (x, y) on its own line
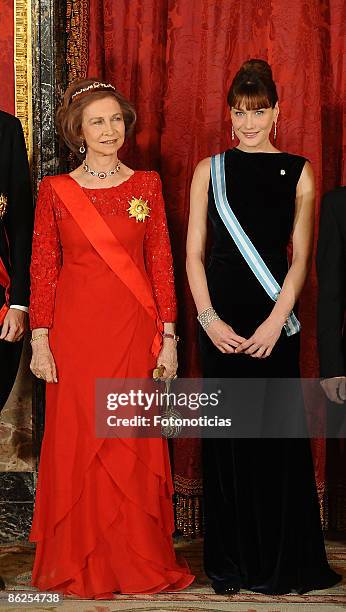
(103, 517)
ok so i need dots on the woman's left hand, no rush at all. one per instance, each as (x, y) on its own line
(168, 358)
(262, 341)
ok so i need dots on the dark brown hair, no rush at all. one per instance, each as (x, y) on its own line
(253, 86)
(70, 113)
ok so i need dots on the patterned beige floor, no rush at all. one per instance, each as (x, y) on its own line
(16, 561)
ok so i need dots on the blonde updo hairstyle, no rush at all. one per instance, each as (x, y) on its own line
(253, 86)
(70, 114)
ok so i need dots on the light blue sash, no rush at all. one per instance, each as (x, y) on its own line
(243, 242)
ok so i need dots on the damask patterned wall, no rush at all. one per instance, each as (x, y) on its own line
(175, 61)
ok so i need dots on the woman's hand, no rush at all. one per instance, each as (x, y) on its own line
(262, 342)
(42, 362)
(168, 358)
(223, 336)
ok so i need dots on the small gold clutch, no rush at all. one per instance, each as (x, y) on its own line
(158, 372)
(173, 428)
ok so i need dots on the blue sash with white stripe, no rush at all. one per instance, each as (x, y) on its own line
(243, 242)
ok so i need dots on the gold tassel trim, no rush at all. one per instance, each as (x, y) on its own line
(188, 486)
(335, 509)
(77, 20)
(188, 515)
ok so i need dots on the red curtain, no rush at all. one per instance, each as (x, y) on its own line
(7, 56)
(175, 60)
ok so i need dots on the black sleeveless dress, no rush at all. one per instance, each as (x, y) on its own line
(262, 518)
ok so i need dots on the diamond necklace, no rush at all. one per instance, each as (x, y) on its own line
(101, 175)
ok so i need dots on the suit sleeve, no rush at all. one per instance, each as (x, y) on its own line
(19, 218)
(46, 260)
(158, 255)
(331, 272)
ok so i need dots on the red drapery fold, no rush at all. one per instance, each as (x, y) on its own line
(175, 60)
(7, 56)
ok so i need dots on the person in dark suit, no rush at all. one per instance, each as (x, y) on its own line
(331, 334)
(16, 227)
(331, 272)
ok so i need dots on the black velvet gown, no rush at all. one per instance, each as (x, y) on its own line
(262, 518)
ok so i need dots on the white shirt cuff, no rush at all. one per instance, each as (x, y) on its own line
(23, 308)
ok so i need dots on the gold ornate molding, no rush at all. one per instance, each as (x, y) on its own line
(23, 68)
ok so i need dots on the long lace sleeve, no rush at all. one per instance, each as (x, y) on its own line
(158, 255)
(45, 260)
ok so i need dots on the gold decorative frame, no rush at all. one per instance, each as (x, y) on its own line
(23, 69)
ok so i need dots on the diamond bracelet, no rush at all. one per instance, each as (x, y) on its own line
(207, 316)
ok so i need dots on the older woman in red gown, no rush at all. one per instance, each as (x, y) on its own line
(102, 298)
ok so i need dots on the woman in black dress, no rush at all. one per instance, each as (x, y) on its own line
(263, 529)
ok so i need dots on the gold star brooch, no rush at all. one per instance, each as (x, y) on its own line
(138, 209)
(3, 205)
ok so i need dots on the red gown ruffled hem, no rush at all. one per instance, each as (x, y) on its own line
(107, 542)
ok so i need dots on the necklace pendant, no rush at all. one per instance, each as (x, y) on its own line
(102, 175)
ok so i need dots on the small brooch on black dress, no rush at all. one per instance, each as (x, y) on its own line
(138, 209)
(3, 205)
(282, 172)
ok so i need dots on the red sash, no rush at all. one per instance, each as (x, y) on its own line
(108, 247)
(4, 282)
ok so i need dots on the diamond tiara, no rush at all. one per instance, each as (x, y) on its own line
(95, 85)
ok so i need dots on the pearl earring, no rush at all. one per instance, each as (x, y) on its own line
(82, 148)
